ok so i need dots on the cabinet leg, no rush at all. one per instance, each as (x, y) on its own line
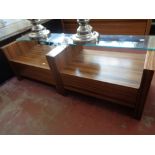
(19, 78)
(60, 88)
(56, 74)
(137, 114)
(142, 93)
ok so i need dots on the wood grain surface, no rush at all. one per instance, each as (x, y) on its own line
(119, 75)
(28, 59)
(150, 60)
(119, 68)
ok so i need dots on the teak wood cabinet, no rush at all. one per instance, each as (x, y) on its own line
(28, 59)
(117, 75)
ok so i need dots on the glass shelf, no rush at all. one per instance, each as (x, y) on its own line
(139, 42)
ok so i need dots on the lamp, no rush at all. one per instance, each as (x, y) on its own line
(85, 33)
(38, 31)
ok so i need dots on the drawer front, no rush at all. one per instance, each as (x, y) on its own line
(36, 73)
(111, 92)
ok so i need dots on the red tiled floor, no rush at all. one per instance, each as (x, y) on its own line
(29, 107)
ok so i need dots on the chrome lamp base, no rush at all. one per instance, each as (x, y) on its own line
(38, 30)
(84, 33)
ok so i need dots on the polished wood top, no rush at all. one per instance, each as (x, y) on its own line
(121, 68)
(36, 56)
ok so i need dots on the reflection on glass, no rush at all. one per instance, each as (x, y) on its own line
(118, 44)
(109, 41)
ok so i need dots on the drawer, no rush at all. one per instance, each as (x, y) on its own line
(36, 73)
(111, 92)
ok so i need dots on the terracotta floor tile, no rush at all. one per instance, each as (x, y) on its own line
(29, 107)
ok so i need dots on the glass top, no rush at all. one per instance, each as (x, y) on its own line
(139, 42)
